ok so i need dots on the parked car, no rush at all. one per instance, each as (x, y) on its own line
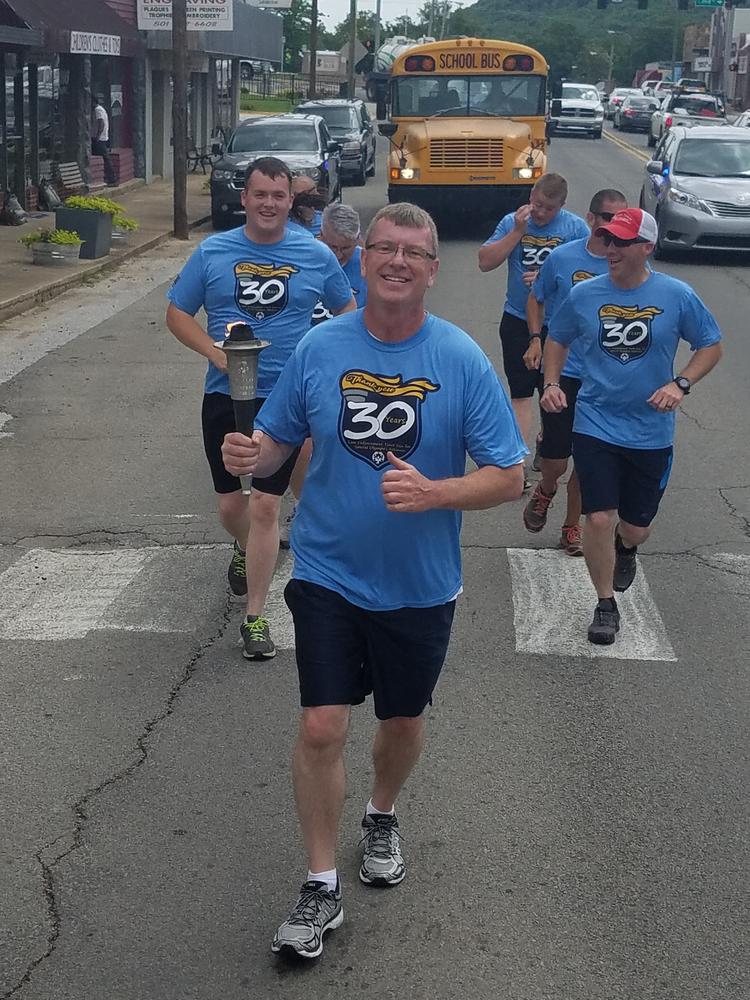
(617, 96)
(698, 188)
(634, 114)
(579, 109)
(350, 124)
(680, 107)
(303, 142)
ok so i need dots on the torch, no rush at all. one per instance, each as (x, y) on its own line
(242, 349)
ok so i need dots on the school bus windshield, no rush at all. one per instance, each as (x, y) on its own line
(508, 96)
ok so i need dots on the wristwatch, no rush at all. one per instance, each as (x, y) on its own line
(682, 383)
(535, 336)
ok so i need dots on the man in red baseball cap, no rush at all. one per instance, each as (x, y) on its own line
(627, 326)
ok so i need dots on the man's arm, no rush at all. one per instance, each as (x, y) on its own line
(553, 398)
(534, 321)
(492, 255)
(190, 333)
(258, 455)
(407, 491)
(671, 395)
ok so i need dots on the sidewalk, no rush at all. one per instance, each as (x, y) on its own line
(24, 285)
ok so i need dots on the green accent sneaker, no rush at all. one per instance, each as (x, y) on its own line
(236, 574)
(256, 639)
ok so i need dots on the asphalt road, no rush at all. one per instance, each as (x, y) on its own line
(577, 829)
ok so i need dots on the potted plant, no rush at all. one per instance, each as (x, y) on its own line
(53, 246)
(122, 226)
(91, 217)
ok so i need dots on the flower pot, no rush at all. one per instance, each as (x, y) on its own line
(120, 238)
(94, 228)
(52, 254)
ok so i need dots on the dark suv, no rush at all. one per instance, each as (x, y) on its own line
(303, 142)
(350, 124)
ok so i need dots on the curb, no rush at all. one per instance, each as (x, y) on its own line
(633, 150)
(30, 300)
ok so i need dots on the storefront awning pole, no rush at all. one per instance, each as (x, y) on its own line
(179, 117)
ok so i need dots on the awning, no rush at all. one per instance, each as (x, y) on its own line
(88, 27)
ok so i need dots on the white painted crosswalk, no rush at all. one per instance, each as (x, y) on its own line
(63, 594)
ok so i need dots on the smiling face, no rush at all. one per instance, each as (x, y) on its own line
(267, 201)
(627, 264)
(594, 219)
(396, 281)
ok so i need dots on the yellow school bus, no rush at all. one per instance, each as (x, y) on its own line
(467, 124)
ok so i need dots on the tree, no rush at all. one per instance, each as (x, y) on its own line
(297, 22)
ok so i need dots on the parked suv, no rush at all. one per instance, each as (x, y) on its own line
(303, 142)
(350, 124)
(579, 109)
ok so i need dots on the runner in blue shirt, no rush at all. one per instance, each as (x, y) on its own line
(627, 326)
(525, 239)
(271, 278)
(394, 399)
(565, 267)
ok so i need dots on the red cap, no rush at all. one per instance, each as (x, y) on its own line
(631, 224)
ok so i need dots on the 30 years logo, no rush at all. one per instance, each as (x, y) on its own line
(625, 331)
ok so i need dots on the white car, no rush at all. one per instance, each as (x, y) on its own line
(659, 88)
(579, 109)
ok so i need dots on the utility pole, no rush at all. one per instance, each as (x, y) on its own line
(432, 18)
(444, 22)
(352, 47)
(726, 74)
(313, 83)
(376, 40)
(179, 117)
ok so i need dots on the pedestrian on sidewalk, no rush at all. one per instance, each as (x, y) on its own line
(525, 239)
(100, 140)
(565, 267)
(393, 399)
(271, 278)
(626, 327)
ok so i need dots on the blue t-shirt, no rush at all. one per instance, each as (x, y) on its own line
(313, 229)
(271, 286)
(353, 272)
(532, 250)
(627, 340)
(430, 400)
(566, 266)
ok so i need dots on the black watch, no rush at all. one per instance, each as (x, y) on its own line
(682, 383)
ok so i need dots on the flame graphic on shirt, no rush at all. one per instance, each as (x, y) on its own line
(629, 312)
(246, 268)
(387, 385)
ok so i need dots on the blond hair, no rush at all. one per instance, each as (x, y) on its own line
(403, 213)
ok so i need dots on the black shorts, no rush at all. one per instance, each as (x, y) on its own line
(629, 480)
(345, 653)
(514, 336)
(557, 428)
(217, 417)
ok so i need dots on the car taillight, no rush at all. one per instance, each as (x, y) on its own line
(668, 121)
(629, 113)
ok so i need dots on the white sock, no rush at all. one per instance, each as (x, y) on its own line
(370, 810)
(330, 878)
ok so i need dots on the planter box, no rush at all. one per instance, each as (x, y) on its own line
(52, 254)
(120, 238)
(94, 228)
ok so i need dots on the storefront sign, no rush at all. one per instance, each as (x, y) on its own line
(742, 64)
(702, 64)
(88, 44)
(272, 4)
(202, 15)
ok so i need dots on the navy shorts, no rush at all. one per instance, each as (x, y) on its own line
(514, 336)
(557, 428)
(217, 418)
(629, 480)
(345, 653)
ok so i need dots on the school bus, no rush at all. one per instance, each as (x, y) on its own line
(467, 124)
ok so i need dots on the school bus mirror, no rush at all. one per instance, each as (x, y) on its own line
(388, 129)
(556, 90)
(556, 108)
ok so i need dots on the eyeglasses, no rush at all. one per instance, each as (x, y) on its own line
(607, 216)
(608, 238)
(391, 249)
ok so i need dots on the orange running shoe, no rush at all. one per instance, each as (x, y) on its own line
(535, 511)
(571, 539)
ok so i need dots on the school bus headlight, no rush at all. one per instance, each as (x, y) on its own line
(526, 173)
(404, 174)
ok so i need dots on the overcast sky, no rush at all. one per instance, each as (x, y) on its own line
(337, 10)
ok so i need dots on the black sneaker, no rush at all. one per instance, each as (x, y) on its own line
(236, 574)
(605, 626)
(625, 565)
(256, 639)
(382, 861)
(317, 910)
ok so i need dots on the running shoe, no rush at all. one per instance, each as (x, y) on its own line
(382, 861)
(625, 565)
(605, 626)
(535, 511)
(571, 539)
(285, 528)
(236, 574)
(256, 639)
(317, 910)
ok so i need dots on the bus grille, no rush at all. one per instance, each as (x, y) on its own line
(472, 153)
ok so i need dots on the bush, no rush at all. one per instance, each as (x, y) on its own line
(61, 236)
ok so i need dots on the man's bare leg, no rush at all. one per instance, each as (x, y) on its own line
(398, 744)
(234, 514)
(262, 549)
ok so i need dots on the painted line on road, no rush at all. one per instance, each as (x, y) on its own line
(633, 150)
(553, 603)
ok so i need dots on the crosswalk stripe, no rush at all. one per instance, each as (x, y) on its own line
(553, 602)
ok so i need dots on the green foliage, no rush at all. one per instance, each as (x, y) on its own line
(61, 236)
(94, 203)
(297, 22)
(271, 105)
(124, 223)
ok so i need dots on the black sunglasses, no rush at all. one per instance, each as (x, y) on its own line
(607, 216)
(608, 238)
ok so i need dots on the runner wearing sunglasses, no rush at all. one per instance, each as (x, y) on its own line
(565, 267)
(626, 327)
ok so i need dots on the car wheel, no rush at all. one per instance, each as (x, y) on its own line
(361, 179)
(596, 134)
(650, 141)
(660, 251)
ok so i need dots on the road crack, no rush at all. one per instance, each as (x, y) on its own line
(50, 855)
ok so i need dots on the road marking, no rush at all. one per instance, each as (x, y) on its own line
(553, 602)
(633, 150)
